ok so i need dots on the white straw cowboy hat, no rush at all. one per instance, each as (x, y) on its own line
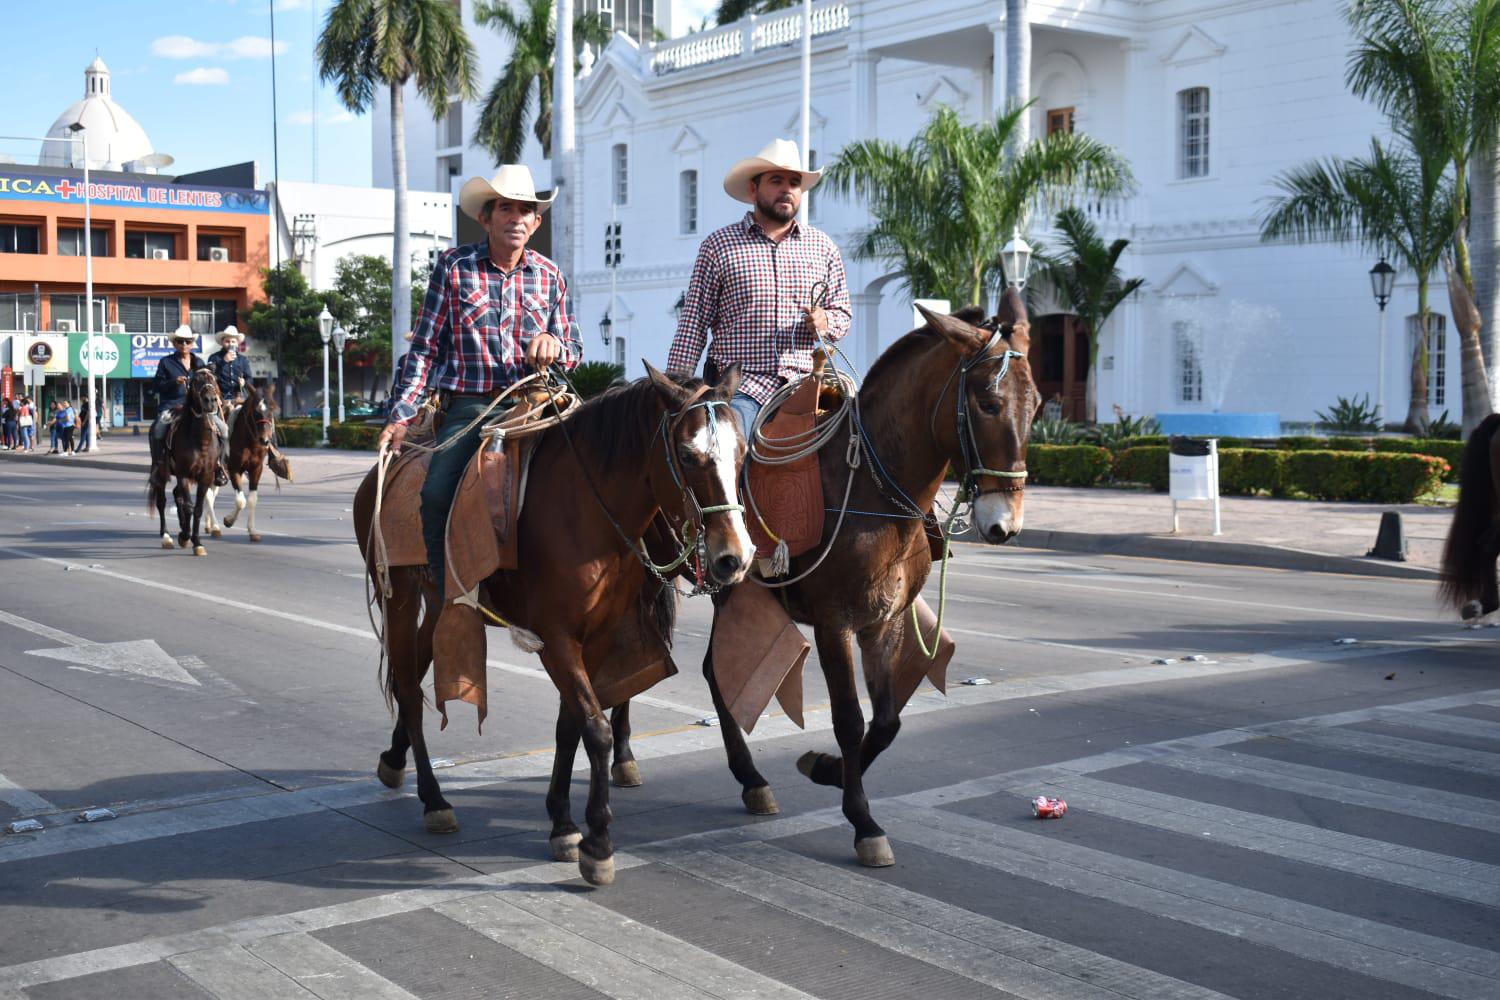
(513, 182)
(184, 332)
(779, 154)
(230, 331)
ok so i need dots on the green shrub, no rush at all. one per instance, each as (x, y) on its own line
(1444, 429)
(1302, 443)
(299, 433)
(1067, 464)
(1055, 430)
(1325, 475)
(1378, 478)
(1337, 443)
(1146, 465)
(1402, 478)
(1143, 441)
(1248, 471)
(1351, 415)
(1451, 452)
(353, 436)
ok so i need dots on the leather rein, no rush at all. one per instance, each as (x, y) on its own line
(1012, 481)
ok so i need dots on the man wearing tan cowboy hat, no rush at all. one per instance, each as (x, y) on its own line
(495, 310)
(767, 286)
(232, 370)
(172, 375)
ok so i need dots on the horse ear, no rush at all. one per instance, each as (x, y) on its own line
(670, 392)
(951, 327)
(1013, 311)
(729, 379)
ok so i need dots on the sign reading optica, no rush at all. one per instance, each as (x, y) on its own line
(107, 356)
(128, 194)
(147, 350)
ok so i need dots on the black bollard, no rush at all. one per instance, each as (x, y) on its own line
(1390, 542)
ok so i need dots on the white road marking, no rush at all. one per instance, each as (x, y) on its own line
(17, 496)
(25, 802)
(323, 971)
(229, 972)
(45, 631)
(141, 656)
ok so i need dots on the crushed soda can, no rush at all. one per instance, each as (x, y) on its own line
(1045, 808)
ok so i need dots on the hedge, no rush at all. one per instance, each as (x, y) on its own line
(353, 436)
(1067, 464)
(1248, 471)
(1323, 475)
(299, 433)
(1143, 465)
(1451, 452)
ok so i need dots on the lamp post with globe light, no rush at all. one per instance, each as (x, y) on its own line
(340, 336)
(1382, 282)
(1015, 260)
(325, 331)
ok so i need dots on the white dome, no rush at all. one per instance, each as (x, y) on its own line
(115, 139)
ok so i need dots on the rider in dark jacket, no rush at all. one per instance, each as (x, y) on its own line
(231, 368)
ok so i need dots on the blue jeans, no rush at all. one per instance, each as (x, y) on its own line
(443, 476)
(745, 409)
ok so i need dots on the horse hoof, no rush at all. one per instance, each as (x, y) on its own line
(760, 801)
(182, 542)
(565, 846)
(874, 852)
(625, 774)
(255, 538)
(1471, 610)
(167, 543)
(440, 821)
(199, 550)
(215, 533)
(806, 761)
(389, 776)
(597, 872)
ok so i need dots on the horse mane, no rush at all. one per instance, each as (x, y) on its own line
(900, 353)
(616, 426)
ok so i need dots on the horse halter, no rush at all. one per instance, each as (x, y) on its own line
(968, 444)
(695, 537)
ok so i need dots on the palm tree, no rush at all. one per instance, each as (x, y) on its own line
(732, 10)
(1433, 66)
(1087, 281)
(945, 203)
(367, 44)
(531, 30)
(1398, 202)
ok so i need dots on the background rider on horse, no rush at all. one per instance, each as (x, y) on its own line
(231, 367)
(171, 382)
(494, 310)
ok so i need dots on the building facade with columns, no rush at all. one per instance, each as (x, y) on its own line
(1208, 100)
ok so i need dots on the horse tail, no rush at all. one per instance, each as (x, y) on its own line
(1466, 564)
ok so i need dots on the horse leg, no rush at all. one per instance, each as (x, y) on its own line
(624, 772)
(877, 655)
(755, 790)
(870, 843)
(254, 478)
(565, 837)
(202, 495)
(209, 523)
(180, 497)
(411, 652)
(159, 491)
(239, 500)
(563, 658)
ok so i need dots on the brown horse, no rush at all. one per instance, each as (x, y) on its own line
(252, 429)
(581, 573)
(1473, 546)
(193, 459)
(948, 394)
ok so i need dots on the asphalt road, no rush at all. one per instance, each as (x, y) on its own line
(1288, 817)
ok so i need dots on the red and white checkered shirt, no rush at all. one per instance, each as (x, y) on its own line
(477, 322)
(751, 292)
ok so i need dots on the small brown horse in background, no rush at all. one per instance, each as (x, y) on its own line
(595, 483)
(251, 432)
(947, 394)
(1473, 546)
(193, 458)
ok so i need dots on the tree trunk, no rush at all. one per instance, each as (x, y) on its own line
(400, 232)
(563, 139)
(1018, 68)
(1484, 262)
(1091, 384)
(1476, 389)
(1416, 410)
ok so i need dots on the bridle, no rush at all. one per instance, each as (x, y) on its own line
(197, 389)
(1013, 481)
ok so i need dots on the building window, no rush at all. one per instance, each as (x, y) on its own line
(143, 245)
(208, 244)
(687, 185)
(154, 315)
(1437, 355)
(210, 316)
(451, 128)
(1189, 367)
(20, 238)
(619, 166)
(16, 311)
(70, 242)
(1192, 121)
(69, 309)
(1059, 120)
(449, 167)
(636, 18)
(620, 351)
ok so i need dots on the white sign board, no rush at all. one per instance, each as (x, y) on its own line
(35, 375)
(1191, 477)
(99, 355)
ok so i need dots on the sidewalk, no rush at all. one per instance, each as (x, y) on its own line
(1283, 534)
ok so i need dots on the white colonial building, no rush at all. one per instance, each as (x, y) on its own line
(1207, 99)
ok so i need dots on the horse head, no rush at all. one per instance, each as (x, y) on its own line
(203, 393)
(261, 408)
(695, 472)
(994, 400)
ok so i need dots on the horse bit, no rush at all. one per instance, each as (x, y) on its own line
(694, 537)
(967, 443)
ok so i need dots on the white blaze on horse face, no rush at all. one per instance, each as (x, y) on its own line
(715, 441)
(998, 516)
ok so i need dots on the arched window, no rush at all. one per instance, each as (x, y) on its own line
(1192, 130)
(1189, 367)
(621, 180)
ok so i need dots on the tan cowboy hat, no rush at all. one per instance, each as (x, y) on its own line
(184, 332)
(512, 182)
(230, 331)
(779, 154)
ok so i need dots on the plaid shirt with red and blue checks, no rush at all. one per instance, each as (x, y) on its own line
(477, 321)
(751, 291)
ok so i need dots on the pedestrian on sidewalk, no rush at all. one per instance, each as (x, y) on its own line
(12, 433)
(67, 418)
(26, 421)
(54, 431)
(85, 417)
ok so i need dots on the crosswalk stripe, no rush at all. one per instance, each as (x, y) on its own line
(1437, 722)
(1394, 863)
(1420, 961)
(230, 972)
(1008, 958)
(1341, 786)
(1398, 748)
(325, 972)
(615, 955)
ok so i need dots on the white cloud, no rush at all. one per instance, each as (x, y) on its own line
(293, 4)
(183, 47)
(340, 117)
(203, 76)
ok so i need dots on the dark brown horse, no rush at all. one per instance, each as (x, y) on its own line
(949, 394)
(252, 428)
(1473, 546)
(193, 458)
(588, 505)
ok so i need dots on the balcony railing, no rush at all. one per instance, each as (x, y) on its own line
(745, 37)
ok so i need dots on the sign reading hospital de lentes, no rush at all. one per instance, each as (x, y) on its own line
(133, 194)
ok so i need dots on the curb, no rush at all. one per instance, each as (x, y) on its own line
(1221, 553)
(87, 462)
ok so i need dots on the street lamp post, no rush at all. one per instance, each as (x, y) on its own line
(325, 331)
(340, 336)
(1015, 259)
(1382, 281)
(82, 135)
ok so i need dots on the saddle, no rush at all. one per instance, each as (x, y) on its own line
(788, 499)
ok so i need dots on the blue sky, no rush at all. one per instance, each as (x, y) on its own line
(197, 76)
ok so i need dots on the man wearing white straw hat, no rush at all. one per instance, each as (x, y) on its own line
(173, 373)
(494, 311)
(768, 287)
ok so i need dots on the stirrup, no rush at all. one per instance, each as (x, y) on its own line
(221, 476)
